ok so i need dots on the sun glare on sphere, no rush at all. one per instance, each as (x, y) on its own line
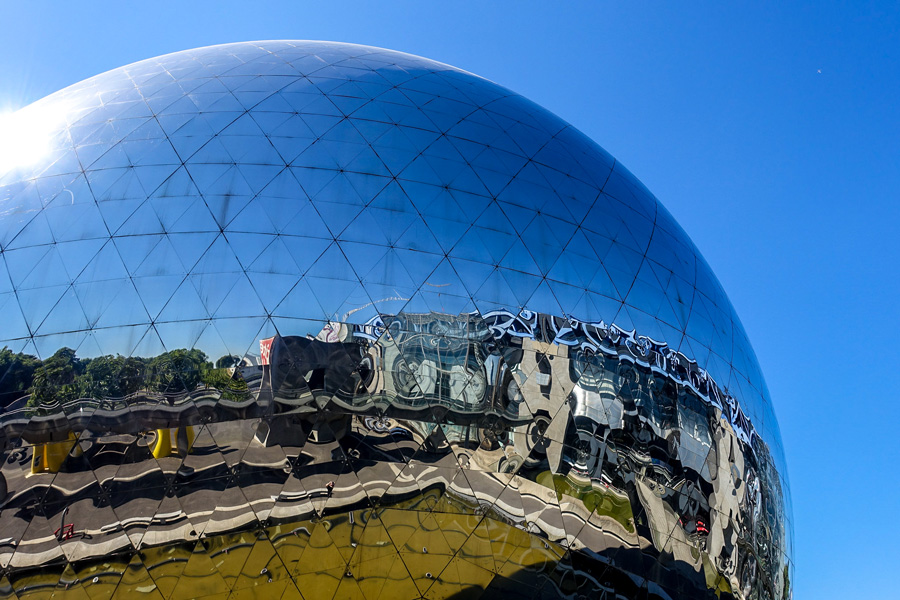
(25, 136)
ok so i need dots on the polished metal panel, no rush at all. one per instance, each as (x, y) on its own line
(316, 320)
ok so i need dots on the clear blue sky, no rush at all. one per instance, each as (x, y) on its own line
(771, 132)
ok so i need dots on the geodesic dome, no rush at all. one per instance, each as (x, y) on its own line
(322, 320)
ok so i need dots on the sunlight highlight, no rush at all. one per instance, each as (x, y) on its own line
(25, 135)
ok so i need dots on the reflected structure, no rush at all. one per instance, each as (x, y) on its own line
(316, 320)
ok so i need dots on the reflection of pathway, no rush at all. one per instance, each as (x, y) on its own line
(409, 507)
(419, 546)
(530, 505)
(215, 506)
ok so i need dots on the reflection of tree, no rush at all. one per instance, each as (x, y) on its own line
(16, 374)
(229, 360)
(54, 380)
(232, 386)
(102, 376)
(177, 371)
(64, 377)
(131, 376)
(110, 376)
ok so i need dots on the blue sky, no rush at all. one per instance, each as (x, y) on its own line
(771, 132)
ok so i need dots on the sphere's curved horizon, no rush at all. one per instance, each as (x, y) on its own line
(352, 238)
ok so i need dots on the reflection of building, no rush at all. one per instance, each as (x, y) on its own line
(318, 320)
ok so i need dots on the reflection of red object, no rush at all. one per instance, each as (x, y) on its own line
(67, 532)
(265, 350)
(701, 527)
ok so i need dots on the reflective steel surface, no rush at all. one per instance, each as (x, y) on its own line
(315, 320)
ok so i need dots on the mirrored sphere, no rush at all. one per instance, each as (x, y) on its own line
(312, 320)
